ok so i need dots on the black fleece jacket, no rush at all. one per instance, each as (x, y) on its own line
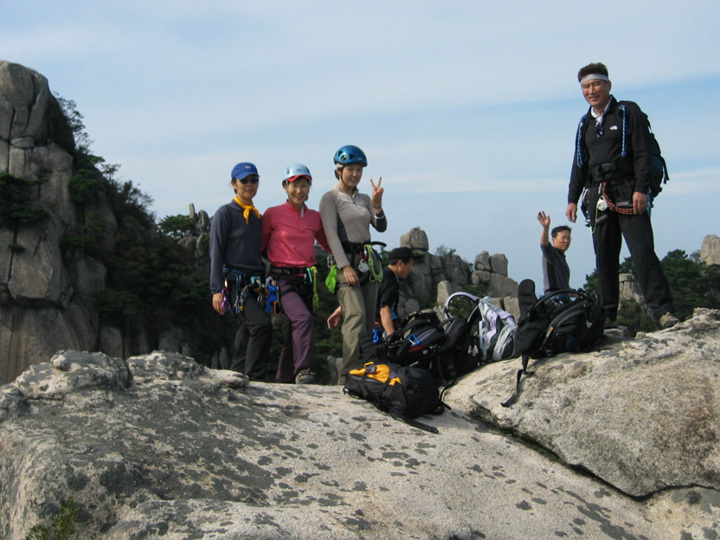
(592, 150)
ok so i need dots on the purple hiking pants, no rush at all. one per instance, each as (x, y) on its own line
(298, 352)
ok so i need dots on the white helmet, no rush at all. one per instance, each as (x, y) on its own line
(295, 171)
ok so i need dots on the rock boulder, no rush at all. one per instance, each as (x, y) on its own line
(641, 414)
(622, 443)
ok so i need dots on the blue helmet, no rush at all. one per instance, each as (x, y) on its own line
(295, 171)
(349, 154)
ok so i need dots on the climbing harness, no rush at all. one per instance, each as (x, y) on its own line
(253, 287)
(369, 258)
(311, 277)
(307, 290)
(238, 288)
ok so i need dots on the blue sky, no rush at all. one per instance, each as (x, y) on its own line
(466, 109)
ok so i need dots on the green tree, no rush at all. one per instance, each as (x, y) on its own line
(16, 206)
(177, 227)
(692, 284)
(444, 251)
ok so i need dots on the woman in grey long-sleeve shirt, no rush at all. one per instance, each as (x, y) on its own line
(347, 215)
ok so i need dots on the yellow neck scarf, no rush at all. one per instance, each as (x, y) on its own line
(247, 208)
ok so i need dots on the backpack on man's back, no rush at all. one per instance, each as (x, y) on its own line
(658, 167)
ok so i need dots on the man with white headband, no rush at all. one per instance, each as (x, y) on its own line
(611, 168)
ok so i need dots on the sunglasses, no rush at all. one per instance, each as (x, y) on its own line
(251, 178)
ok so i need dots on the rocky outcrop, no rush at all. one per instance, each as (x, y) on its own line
(197, 244)
(710, 250)
(46, 292)
(622, 442)
(493, 270)
(438, 276)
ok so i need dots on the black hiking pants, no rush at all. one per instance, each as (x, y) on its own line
(252, 341)
(638, 233)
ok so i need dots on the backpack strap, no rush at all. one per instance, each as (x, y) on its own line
(578, 140)
(522, 371)
(414, 423)
(402, 418)
(623, 113)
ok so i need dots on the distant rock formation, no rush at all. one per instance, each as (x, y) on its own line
(622, 442)
(438, 276)
(195, 243)
(710, 250)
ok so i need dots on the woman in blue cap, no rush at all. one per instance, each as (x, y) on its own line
(346, 216)
(237, 272)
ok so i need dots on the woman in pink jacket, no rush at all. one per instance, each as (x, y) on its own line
(289, 234)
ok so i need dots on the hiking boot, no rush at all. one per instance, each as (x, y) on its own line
(668, 320)
(610, 324)
(305, 377)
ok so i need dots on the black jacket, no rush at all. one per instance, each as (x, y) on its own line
(592, 150)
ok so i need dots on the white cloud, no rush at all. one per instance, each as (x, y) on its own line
(701, 182)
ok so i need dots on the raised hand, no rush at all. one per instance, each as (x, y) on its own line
(544, 219)
(377, 193)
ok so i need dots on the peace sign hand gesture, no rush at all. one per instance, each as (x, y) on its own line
(377, 193)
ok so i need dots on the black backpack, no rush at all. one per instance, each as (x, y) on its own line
(416, 341)
(405, 392)
(460, 354)
(658, 167)
(446, 348)
(567, 320)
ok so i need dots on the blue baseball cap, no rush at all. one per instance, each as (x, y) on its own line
(241, 170)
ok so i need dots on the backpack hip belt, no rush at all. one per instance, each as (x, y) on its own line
(611, 172)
